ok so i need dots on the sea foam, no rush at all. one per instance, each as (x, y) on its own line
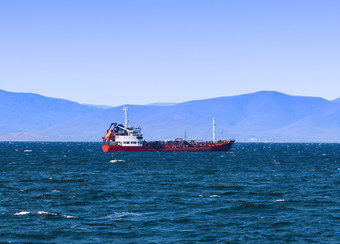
(116, 160)
(280, 200)
(22, 213)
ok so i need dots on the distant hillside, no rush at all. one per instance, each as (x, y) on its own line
(28, 112)
(98, 106)
(161, 104)
(260, 116)
(337, 100)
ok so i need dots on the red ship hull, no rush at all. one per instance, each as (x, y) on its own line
(119, 138)
(212, 147)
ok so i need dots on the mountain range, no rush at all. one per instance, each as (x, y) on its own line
(261, 116)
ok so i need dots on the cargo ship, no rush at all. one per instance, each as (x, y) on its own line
(122, 138)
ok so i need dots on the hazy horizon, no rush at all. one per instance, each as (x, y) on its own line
(169, 103)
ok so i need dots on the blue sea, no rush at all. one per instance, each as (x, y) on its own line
(256, 193)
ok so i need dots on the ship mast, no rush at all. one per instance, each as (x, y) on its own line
(214, 129)
(126, 119)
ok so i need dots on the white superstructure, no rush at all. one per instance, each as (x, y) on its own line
(125, 136)
(131, 138)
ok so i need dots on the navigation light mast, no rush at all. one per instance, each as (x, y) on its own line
(126, 119)
(214, 129)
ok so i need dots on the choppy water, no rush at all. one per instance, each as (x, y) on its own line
(73, 192)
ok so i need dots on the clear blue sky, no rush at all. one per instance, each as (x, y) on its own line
(145, 51)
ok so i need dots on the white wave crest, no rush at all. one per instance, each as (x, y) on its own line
(67, 216)
(22, 213)
(121, 215)
(46, 213)
(280, 200)
(116, 160)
